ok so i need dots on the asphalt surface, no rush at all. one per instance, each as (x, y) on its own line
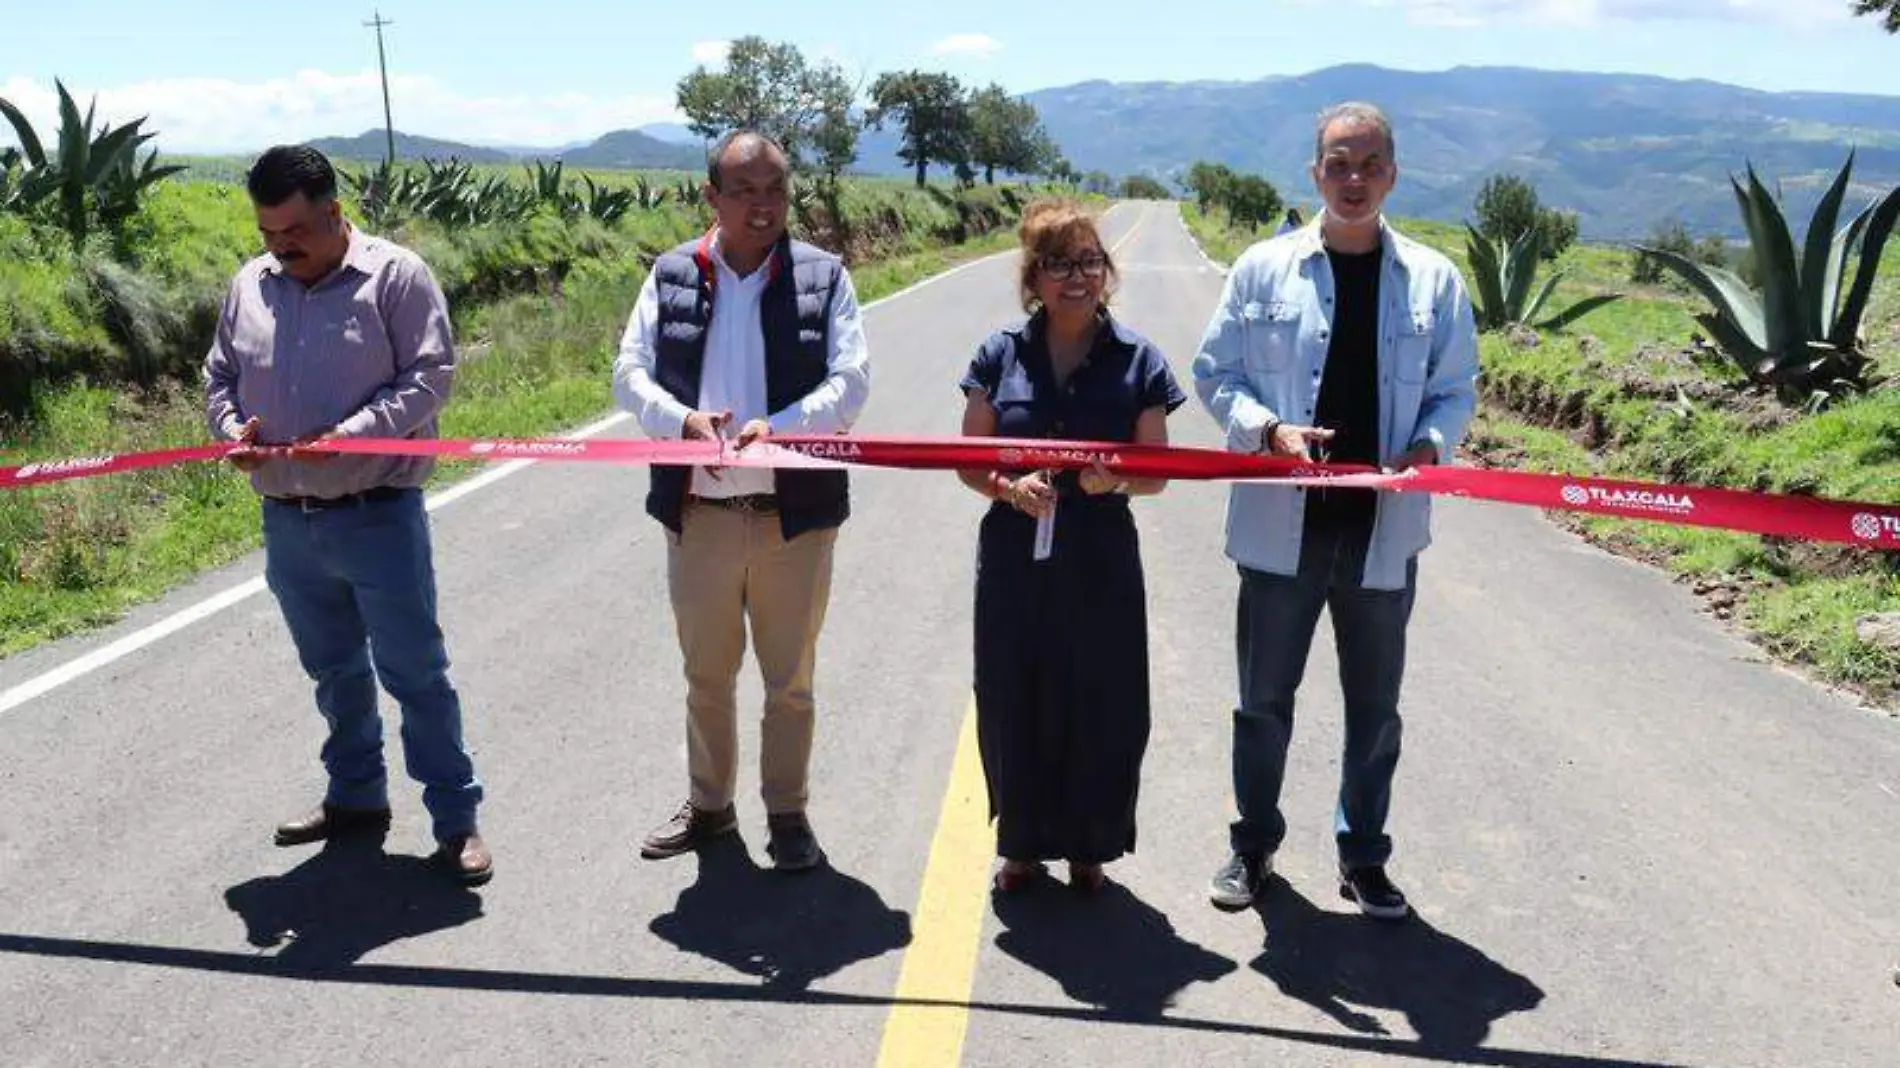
(1631, 841)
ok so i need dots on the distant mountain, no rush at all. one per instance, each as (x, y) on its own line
(631, 148)
(671, 132)
(619, 149)
(371, 146)
(1624, 151)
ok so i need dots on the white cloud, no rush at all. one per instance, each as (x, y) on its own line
(981, 45)
(218, 115)
(711, 52)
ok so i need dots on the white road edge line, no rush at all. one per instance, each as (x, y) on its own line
(1189, 231)
(81, 666)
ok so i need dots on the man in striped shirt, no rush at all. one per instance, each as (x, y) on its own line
(334, 333)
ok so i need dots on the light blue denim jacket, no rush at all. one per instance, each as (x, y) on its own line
(1263, 358)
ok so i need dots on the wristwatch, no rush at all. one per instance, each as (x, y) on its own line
(1266, 434)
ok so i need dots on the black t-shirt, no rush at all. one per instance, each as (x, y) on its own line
(1349, 393)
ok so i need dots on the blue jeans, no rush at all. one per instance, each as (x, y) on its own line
(1277, 619)
(357, 588)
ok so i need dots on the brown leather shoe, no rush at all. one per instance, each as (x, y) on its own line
(330, 821)
(1087, 878)
(467, 855)
(689, 829)
(1017, 875)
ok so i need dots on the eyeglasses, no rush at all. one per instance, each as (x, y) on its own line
(1060, 268)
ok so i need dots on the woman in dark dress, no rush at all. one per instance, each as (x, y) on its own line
(1062, 634)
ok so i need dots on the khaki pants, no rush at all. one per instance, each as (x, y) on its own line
(724, 568)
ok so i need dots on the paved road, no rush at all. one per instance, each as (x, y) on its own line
(1631, 842)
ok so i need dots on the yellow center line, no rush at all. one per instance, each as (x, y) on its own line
(927, 1025)
(1141, 216)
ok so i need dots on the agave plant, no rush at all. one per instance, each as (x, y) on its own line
(371, 190)
(21, 186)
(382, 194)
(546, 182)
(1801, 333)
(71, 176)
(606, 203)
(1503, 277)
(123, 186)
(648, 196)
(499, 200)
(448, 192)
(445, 190)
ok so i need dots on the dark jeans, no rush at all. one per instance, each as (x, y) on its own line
(357, 588)
(1277, 619)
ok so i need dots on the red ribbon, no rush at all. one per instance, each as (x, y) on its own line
(1776, 514)
(110, 464)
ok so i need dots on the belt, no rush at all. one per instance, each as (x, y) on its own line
(373, 495)
(760, 503)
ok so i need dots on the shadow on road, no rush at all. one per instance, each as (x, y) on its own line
(1109, 949)
(1340, 962)
(787, 929)
(400, 976)
(348, 899)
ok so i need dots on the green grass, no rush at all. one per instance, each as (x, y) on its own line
(1812, 622)
(1624, 392)
(76, 555)
(881, 279)
(1219, 237)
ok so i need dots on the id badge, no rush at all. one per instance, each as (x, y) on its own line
(1046, 533)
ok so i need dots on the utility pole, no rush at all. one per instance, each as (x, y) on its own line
(389, 126)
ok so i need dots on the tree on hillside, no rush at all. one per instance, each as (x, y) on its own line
(934, 113)
(1669, 235)
(1142, 187)
(1249, 199)
(834, 140)
(770, 88)
(1006, 134)
(1888, 11)
(1210, 183)
(1098, 182)
(1507, 207)
(1252, 200)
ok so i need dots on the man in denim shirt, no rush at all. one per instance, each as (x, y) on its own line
(336, 334)
(1340, 341)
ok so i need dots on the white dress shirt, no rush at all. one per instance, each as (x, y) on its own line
(733, 375)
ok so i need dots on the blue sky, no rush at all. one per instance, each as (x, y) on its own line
(222, 76)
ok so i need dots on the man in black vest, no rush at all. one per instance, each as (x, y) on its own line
(745, 327)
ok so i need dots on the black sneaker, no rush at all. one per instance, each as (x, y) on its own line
(688, 829)
(793, 847)
(1374, 893)
(1240, 880)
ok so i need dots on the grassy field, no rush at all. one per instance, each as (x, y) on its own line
(539, 309)
(1629, 391)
